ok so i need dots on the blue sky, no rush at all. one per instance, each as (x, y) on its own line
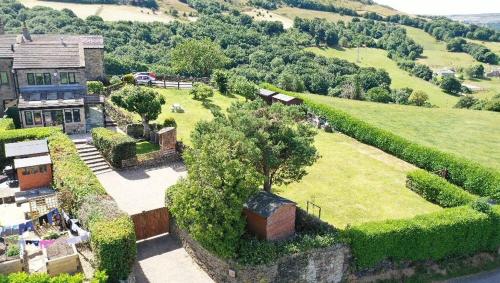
(444, 7)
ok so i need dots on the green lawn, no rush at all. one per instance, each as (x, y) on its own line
(371, 57)
(471, 134)
(194, 110)
(355, 183)
(146, 147)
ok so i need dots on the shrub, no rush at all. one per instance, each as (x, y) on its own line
(113, 242)
(169, 122)
(6, 124)
(95, 87)
(114, 146)
(13, 250)
(437, 190)
(115, 80)
(466, 101)
(379, 94)
(201, 91)
(418, 98)
(449, 232)
(464, 173)
(128, 79)
(13, 113)
(23, 277)
(451, 85)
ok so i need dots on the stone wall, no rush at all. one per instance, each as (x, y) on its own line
(152, 159)
(94, 63)
(320, 265)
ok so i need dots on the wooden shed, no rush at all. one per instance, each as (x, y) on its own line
(270, 217)
(34, 172)
(287, 100)
(267, 95)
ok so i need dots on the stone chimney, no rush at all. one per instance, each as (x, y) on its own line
(2, 30)
(26, 33)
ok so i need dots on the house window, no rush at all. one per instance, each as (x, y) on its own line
(4, 78)
(39, 79)
(76, 115)
(47, 79)
(68, 117)
(28, 118)
(37, 115)
(68, 77)
(31, 79)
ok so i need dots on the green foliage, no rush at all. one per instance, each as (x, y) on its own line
(418, 98)
(13, 250)
(379, 94)
(113, 242)
(22, 277)
(129, 79)
(6, 124)
(95, 87)
(451, 232)
(208, 204)
(198, 58)
(437, 190)
(239, 85)
(467, 174)
(475, 71)
(13, 113)
(451, 85)
(115, 80)
(466, 101)
(114, 146)
(220, 79)
(169, 122)
(201, 91)
(100, 277)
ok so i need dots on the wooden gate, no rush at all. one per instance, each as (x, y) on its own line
(151, 223)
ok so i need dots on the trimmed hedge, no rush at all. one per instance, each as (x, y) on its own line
(450, 232)
(464, 173)
(114, 245)
(6, 124)
(437, 190)
(23, 277)
(495, 218)
(114, 146)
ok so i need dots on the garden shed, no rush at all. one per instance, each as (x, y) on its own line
(34, 172)
(26, 149)
(266, 95)
(270, 217)
(287, 100)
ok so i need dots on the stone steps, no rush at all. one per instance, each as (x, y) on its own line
(92, 157)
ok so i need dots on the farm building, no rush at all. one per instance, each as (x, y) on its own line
(445, 73)
(270, 217)
(267, 95)
(285, 99)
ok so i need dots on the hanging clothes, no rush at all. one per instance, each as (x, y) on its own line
(22, 228)
(29, 226)
(46, 243)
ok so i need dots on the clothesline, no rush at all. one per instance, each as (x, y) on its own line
(20, 228)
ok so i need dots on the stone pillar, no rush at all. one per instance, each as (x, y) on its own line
(167, 138)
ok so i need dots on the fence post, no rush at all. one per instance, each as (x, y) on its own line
(164, 83)
(178, 84)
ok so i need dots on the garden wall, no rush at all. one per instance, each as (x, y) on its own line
(152, 159)
(319, 265)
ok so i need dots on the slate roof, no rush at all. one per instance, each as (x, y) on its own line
(48, 51)
(283, 97)
(32, 161)
(26, 148)
(266, 204)
(266, 92)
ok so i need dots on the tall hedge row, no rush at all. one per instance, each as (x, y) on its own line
(437, 190)
(449, 232)
(114, 146)
(6, 124)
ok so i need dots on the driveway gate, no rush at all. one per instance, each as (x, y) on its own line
(151, 223)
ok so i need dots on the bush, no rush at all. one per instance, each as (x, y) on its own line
(435, 236)
(464, 173)
(13, 250)
(379, 94)
(129, 79)
(115, 80)
(437, 190)
(201, 91)
(95, 87)
(451, 85)
(6, 124)
(23, 277)
(169, 122)
(114, 146)
(113, 242)
(466, 101)
(13, 113)
(418, 98)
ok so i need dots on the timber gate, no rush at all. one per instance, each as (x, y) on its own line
(151, 223)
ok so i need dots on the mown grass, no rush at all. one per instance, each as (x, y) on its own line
(371, 57)
(355, 183)
(143, 147)
(292, 13)
(474, 135)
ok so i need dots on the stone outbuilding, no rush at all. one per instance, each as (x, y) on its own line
(167, 138)
(287, 100)
(270, 217)
(267, 95)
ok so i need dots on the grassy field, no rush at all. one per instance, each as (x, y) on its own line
(143, 147)
(291, 13)
(474, 135)
(436, 57)
(371, 57)
(355, 183)
(265, 15)
(361, 7)
(194, 110)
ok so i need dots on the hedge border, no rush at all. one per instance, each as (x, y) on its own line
(114, 146)
(471, 176)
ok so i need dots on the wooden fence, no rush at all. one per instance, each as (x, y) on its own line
(151, 223)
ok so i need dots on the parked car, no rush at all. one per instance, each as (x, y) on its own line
(151, 74)
(144, 80)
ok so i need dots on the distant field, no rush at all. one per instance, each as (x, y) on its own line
(474, 135)
(355, 183)
(265, 15)
(291, 13)
(436, 57)
(358, 6)
(107, 12)
(370, 57)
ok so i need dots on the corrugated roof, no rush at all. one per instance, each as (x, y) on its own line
(26, 148)
(32, 161)
(283, 97)
(266, 92)
(266, 204)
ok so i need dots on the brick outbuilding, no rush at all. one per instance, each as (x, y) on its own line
(270, 217)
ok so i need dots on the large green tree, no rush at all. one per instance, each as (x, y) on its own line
(198, 58)
(222, 177)
(451, 85)
(144, 101)
(285, 140)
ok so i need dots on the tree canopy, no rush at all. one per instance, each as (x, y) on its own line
(198, 58)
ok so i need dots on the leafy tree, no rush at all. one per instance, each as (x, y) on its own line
(222, 176)
(456, 45)
(285, 140)
(220, 79)
(401, 96)
(201, 91)
(475, 71)
(287, 80)
(418, 98)
(95, 87)
(451, 85)
(198, 57)
(379, 94)
(352, 90)
(144, 101)
(466, 101)
(422, 71)
(241, 86)
(128, 79)
(115, 80)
